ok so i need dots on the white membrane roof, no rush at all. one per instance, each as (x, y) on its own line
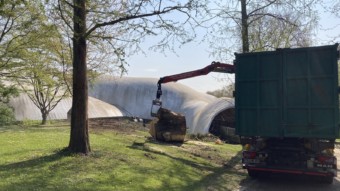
(24, 109)
(127, 96)
(134, 97)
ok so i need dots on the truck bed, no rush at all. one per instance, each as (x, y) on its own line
(288, 93)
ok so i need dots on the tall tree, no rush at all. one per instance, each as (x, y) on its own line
(261, 25)
(79, 140)
(123, 24)
(244, 26)
(32, 53)
(17, 19)
(45, 87)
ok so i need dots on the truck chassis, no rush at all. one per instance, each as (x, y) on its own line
(301, 156)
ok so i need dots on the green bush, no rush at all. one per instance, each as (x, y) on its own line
(6, 115)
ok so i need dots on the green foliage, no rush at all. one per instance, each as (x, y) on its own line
(34, 158)
(6, 92)
(18, 20)
(6, 115)
(42, 77)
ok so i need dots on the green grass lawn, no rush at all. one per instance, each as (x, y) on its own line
(32, 158)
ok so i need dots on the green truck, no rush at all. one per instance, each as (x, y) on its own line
(287, 110)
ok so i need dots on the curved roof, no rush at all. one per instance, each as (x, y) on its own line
(24, 109)
(112, 97)
(134, 97)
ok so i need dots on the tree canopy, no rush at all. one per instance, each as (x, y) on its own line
(17, 20)
(42, 75)
(258, 25)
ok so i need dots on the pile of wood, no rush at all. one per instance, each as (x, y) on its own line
(168, 126)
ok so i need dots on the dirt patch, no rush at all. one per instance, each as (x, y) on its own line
(211, 153)
(121, 124)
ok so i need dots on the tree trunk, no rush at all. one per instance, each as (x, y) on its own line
(79, 139)
(44, 118)
(244, 26)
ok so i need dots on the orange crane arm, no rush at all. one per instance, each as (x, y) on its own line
(213, 67)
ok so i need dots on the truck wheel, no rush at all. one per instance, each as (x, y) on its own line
(253, 173)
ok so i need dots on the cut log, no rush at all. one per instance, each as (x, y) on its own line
(168, 126)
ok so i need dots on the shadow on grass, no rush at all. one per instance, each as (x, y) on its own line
(222, 178)
(33, 174)
(181, 172)
(36, 161)
(217, 178)
(141, 146)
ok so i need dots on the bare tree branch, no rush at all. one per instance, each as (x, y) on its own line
(131, 17)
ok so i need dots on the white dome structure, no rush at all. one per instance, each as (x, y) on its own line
(127, 96)
(134, 97)
(24, 109)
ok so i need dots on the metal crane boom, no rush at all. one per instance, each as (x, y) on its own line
(213, 67)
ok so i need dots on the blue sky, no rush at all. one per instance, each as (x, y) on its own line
(189, 57)
(196, 55)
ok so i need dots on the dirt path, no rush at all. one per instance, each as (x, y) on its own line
(291, 183)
